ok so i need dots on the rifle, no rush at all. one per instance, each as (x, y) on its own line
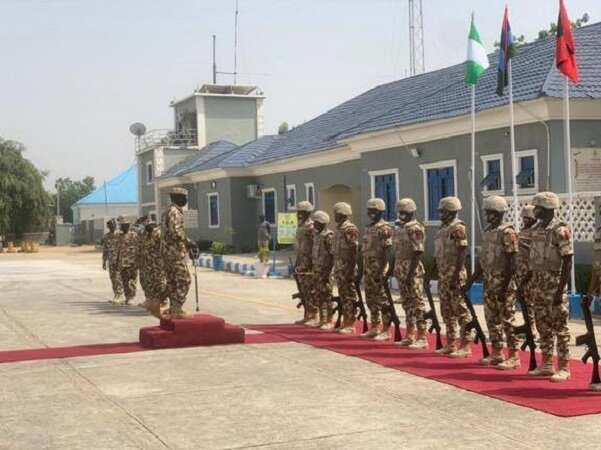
(432, 316)
(526, 329)
(475, 325)
(360, 305)
(337, 310)
(589, 339)
(300, 295)
(393, 315)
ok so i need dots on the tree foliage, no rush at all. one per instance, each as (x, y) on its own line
(69, 193)
(23, 200)
(283, 128)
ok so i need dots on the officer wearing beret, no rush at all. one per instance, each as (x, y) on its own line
(323, 261)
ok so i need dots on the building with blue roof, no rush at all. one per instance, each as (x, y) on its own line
(114, 198)
(411, 138)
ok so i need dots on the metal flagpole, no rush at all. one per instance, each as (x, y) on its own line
(568, 157)
(514, 162)
(473, 180)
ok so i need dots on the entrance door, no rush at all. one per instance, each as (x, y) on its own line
(385, 188)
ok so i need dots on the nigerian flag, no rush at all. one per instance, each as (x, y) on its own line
(477, 60)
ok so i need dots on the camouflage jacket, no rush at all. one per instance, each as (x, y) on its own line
(323, 256)
(128, 249)
(150, 250)
(449, 239)
(496, 243)
(377, 239)
(304, 246)
(174, 234)
(346, 245)
(110, 247)
(407, 239)
(549, 245)
(524, 244)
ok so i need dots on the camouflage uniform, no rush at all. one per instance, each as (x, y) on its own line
(346, 243)
(449, 239)
(407, 239)
(128, 263)
(304, 265)
(110, 247)
(377, 239)
(522, 270)
(174, 254)
(549, 245)
(499, 305)
(152, 271)
(323, 261)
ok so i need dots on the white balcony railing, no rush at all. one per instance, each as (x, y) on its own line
(168, 138)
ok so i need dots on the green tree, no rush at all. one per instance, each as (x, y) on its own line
(283, 128)
(70, 192)
(23, 200)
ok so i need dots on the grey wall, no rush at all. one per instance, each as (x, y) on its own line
(231, 119)
(174, 155)
(146, 191)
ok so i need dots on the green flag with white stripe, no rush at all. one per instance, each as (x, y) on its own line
(477, 59)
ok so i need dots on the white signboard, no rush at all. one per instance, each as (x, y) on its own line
(587, 169)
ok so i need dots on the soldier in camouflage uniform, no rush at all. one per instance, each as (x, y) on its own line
(323, 261)
(152, 270)
(376, 248)
(594, 287)
(175, 249)
(304, 262)
(127, 260)
(408, 243)
(346, 246)
(450, 250)
(496, 267)
(110, 243)
(524, 244)
(550, 265)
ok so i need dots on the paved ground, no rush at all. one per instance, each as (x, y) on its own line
(273, 396)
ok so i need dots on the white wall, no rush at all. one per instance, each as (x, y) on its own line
(89, 212)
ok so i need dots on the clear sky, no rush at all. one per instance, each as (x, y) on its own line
(76, 73)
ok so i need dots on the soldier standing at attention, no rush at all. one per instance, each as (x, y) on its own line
(128, 260)
(323, 261)
(594, 287)
(304, 261)
(496, 266)
(377, 243)
(175, 248)
(346, 245)
(524, 244)
(408, 243)
(152, 271)
(450, 250)
(550, 266)
(110, 244)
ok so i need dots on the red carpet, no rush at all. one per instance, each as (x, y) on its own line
(568, 399)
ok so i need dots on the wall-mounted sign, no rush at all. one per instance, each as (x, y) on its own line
(287, 225)
(587, 169)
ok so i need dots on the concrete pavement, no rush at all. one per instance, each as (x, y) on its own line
(274, 396)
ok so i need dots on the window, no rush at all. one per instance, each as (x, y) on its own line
(493, 180)
(310, 193)
(527, 178)
(385, 185)
(291, 196)
(213, 210)
(269, 205)
(440, 180)
(149, 173)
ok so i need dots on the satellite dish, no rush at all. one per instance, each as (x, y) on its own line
(137, 129)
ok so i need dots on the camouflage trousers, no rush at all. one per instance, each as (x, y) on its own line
(528, 299)
(129, 278)
(115, 277)
(413, 297)
(551, 320)
(153, 283)
(323, 295)
(375, 297)
(499, 310)
(305, 281)
(453, 309)
(348, 296)
(177, 281)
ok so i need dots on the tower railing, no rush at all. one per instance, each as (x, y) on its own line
(166, 138)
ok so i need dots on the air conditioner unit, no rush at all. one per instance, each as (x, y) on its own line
(253, 191)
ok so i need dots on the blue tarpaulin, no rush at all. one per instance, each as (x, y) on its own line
(121, 189)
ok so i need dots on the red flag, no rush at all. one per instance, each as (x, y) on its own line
(565, 50)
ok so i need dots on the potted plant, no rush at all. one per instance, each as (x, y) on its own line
(217, 250)
(262, 267)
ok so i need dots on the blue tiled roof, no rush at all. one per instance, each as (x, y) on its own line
(207, 157)
(121, 189)
(439, 94)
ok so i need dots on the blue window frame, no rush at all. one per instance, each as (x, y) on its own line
(441, 183)
(269, 206)
(526, 176)
(493, 170)
(214, 210)
(385, 188)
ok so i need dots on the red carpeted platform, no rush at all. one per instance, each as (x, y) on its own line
(568, 399)
(200, 329)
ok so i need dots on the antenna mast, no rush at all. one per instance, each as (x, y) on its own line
(416, 38)
(236, 43)
(214, 62)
